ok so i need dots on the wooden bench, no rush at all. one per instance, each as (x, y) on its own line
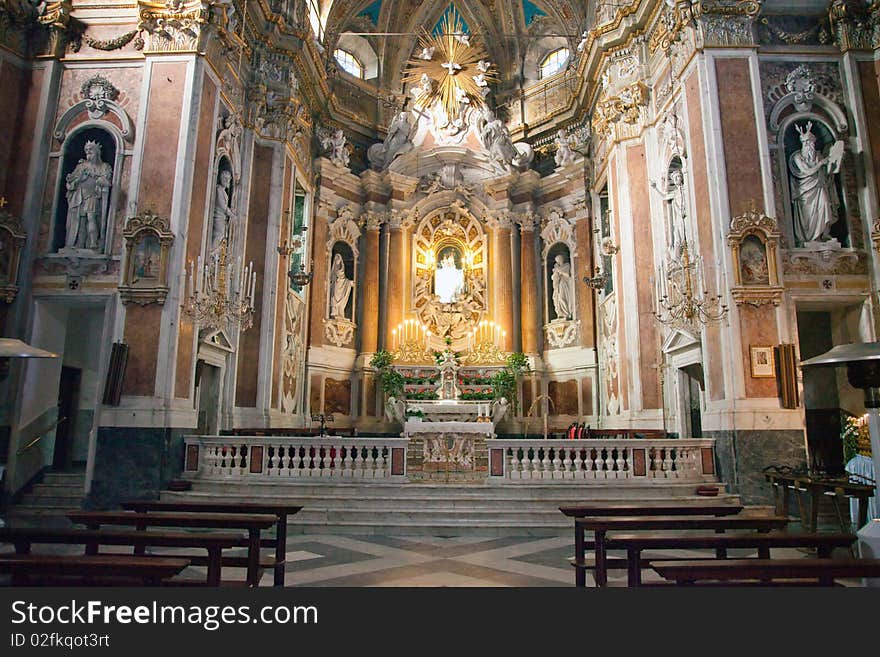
(634, 544)
(601, 510)
(213, 542)
(253, 523)
(601, 526)
(280, 511)
(730, 571)
(37, 568)
(812, 488)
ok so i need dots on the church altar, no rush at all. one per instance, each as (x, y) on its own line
(447, 449)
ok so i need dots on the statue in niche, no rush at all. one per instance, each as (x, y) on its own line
(397, 142)
(449, 277)
(223, 212)
(813, 192)
(563, 294)
(88, 200)
(340, 288)
(677, 210)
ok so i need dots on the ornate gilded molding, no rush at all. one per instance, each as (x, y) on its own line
(148, 241)
(854, 26)
(625, 107)
(174, 25)
(754, 241)
(721, 23)
(875, 234)
(12, 239)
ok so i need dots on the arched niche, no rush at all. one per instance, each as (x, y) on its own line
(556, 298)
(82, 189)
(341, 284)
(450, 231)
(790, 142)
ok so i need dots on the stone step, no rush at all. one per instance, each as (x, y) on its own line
(68, 478)
(61, 511)
(40, 490)
(461, 527)
(610, 489)
(51, 501)
(341, 500)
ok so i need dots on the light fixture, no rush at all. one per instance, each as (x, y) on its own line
(12, 348)
(214, 298)
(682, 303)
(300, 278)
(862, 361)
(598, 281)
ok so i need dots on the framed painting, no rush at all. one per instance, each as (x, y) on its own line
(762, 365)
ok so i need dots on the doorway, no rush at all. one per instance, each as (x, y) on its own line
(690, 385)
(208, 398)
(68, 408)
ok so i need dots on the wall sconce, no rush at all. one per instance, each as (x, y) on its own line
(598, 281)
(301, 278)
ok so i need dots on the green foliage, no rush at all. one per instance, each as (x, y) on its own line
(392, 383)
(381, 360)
(504, 383)
(849, 434)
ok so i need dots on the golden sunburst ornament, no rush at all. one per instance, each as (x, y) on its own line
(450, 70)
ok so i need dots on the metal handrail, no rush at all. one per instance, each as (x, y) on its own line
(39, 437)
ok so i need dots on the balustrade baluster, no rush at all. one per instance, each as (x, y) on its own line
(346, 462)
(667, 462)
(536, 464)
(357, 465)
(579, 471)
(620, 462)
(380, 472)
(566, 464)
(609, 463)
(513, 464)
(546, 465)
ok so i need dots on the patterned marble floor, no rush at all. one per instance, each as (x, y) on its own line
(433, 561)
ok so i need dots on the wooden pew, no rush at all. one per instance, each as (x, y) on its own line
(731, 571)
(151, 571)
(280, 511)
(634, 544)
(601, 526)
(213, 542)
(253, 523)
(602, 510)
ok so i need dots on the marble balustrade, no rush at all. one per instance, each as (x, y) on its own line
(601, 459)
(294, 457)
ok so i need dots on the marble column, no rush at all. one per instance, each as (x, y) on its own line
(369, 324)
(503, 279)
(586, 298)
(530, 313)
(395, 285)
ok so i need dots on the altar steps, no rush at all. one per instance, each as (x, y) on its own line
(527, 509)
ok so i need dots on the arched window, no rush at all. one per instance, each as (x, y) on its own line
(349, 63)
(315, 19)
(554, 62)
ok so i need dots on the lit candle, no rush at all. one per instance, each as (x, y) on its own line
(394, 338)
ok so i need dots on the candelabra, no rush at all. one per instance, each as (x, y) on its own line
(214, 297)
(410, 342)
(485, 344)
(681, 302)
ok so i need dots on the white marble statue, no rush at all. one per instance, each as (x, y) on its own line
(397, 142)
(496, 139)
(677, 210)
(423, 88)
(427, 53)
(814, 198)
(563, 301)
(336, 148)
(340, 288)
(564, 153)
(223, 213)
(88, 200)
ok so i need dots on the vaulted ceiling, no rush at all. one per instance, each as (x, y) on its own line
(505, 27)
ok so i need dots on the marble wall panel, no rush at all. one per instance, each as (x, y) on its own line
(337, 396)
